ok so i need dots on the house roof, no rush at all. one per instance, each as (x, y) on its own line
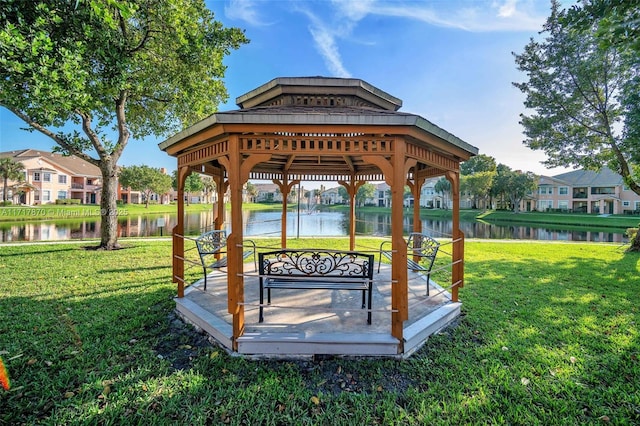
(71, 164)
(605, 177)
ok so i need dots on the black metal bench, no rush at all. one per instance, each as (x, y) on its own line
(421, 253)
(316, 269)
(212, 248)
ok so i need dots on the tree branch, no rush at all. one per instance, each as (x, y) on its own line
(56, 138)
(123, 130)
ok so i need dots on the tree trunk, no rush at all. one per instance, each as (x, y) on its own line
(4, 189)
(635, 240)
(109, 207)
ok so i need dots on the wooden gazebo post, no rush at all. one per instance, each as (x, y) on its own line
(457, 273)
(352, 189)
(221, 189)
(399, 273)
(415, 188)
(285, 188)
(235, 279)
(178, 233)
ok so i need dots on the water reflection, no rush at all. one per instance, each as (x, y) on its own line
(268, 223)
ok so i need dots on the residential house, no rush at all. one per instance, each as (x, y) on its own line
(331, 196)
(382, 197)
(584, 191)
(267, 193)
(49, 177)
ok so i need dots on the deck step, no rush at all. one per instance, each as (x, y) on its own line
(301, 343)
(205, 320)
(416, 334)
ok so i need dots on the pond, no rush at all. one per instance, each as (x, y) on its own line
(268, 224)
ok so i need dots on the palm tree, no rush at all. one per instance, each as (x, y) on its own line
(9, 170)
(208, 185)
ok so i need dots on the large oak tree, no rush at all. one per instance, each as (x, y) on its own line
(583, 90)
(90, 74)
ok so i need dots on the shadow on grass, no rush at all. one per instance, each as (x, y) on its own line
(17, 251)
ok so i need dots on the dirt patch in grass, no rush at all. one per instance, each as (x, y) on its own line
(182, 343)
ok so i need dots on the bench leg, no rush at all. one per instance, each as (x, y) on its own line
(370, 304)
(428, 280)
(260, 316)
(205, 278)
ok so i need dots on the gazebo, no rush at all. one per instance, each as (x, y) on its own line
(320, 129)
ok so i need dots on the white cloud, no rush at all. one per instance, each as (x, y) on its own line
(325, 33)
(476, 16)
(326, 45)
(244, 10)
(508, 9)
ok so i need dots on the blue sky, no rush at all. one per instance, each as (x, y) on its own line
(449, 61)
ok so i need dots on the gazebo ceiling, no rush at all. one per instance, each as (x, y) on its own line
(318, 128)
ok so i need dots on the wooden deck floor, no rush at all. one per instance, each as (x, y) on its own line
(311, 322)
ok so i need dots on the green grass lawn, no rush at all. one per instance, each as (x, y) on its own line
(549, 335)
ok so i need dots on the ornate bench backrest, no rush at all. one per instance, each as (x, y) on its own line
(422, 245)
(212, 242)
(316, 263)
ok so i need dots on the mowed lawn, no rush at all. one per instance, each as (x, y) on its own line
(549, 335)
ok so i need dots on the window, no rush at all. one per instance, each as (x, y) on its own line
(62, 195)
(637, 205)
(603, 190)
(46, 196)
(626, 204)
(36, 176)
(62, 179)
(545, 190)
(563, 190)
(543, 205)
(46, 177)
(563, 205)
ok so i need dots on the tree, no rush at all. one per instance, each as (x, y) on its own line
(344, 194)
(90, 74)
(443, 186)
(9, 170)
(477, 177)
(366, 191)
(584, 93)
(499, 187)
(478, 186)
(514, 185)
(478, 163)
(208, 186)
(252, 191)
(193, 183)
(617, 22)
(145, 179)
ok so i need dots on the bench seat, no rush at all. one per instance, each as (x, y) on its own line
(316, 269)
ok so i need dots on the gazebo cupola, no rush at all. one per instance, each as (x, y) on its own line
(340, 130)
